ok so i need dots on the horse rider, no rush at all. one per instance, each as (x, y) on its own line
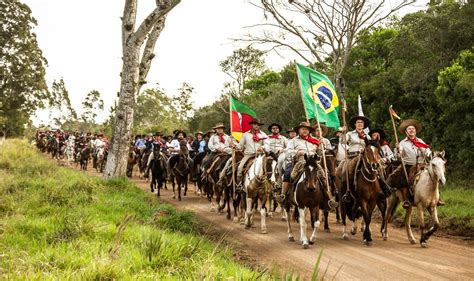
(303, 144)
(275, 144)
(98, 143)
(219, 145)
(199, 144)
(252, 144)
(385, 150)
(291, 133)
(356, 140)
(175, 147)
(156, 142)
(325, 143)
(413, 152)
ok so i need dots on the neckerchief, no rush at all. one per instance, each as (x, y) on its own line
(418, 143)
(221, 138)
(361, 135)
(277, 136)
(310, 139)
(255, 137)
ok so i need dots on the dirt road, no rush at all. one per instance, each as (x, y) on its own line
(444, 259)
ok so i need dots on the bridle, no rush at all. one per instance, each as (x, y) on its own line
(366, 171)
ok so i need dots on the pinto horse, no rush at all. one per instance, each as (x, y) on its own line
(364, 188)
(426, 196)
(180, 166)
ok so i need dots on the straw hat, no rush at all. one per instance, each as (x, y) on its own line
(304, 125)
(410, 122)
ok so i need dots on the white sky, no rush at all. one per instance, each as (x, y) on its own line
(82, 42)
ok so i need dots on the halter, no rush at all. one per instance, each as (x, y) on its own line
(365, 161)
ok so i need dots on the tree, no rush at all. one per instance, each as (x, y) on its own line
(242, 65)
(326, 30)
(60, 105)
(92, 104)
(183, 104)
(22, 84)
(138, 44)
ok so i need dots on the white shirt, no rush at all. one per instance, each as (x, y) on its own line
(355, 143)
(412, 154)
(216, 144)
(298, 144)
(248, 145)
(174, 145)
(327, 144)
(98, 143)
(275, 145)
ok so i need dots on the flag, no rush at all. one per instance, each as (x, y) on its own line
(393, 113)
(318, 94)
(241, 115)
(359, 105)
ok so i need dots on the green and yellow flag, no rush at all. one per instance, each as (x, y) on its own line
(319, 96)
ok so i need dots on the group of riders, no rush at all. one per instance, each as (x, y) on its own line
(220, 165)
(76, 146)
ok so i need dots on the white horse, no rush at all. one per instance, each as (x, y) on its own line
(257, 187)
(100, 159)
(426, 196)
(70, 144)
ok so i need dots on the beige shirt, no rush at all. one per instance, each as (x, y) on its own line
(248, 145)
(355, 143)
(412, 154)
(275, 145)
(298, 144)
(216, 144)
(326, 143)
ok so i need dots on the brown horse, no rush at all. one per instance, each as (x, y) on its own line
(331, 169)
(180, 167)
(307, 195)
(364, 189)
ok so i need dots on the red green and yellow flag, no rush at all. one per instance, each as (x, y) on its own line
(240, 117)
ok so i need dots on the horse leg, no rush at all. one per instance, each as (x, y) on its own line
(248, 212)
(227, 201)
(345, 236)
(326, 220)
(316, 223)
(421, 223)
(185, 185)
(367, 214)
(172, 184)
(263, 215)
(382, 205)
(434, 215)
(411, 238)
(286, 211)
(178, 180)
(392, 203)
(152, 183)
(354, 226)
(236, 205)
(302, 220)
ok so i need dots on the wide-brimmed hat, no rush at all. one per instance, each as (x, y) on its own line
(177, 132)
(354, 119)
(289, 130)
(410, 122)
(219, 125)
(274, 124)
(212, 131)
(256, 121)
(156, 134)
(304, 125)
(324, 128)
(381, 132)
(199, 133)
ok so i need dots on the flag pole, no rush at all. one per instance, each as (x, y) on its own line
(396, 141)
(301, 90)
(332, 203)
(344, 138)
(232, 142)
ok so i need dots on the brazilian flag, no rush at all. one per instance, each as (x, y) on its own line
(319, 96)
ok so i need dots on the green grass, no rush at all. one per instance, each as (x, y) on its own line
(56, 223)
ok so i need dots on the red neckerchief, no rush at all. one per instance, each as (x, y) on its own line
(385, 143)
(310, 139)
(277, 136)
(418, 143)
(255, 136)
(221, 138)
(361, 135)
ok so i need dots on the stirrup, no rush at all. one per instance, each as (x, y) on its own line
(346, 197)
(333, 204)
(281, 198)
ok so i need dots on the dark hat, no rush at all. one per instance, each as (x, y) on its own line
(256, 121)
(275, 124)
(157, 134)
(304, 125)
(381, 132)
(410, 122)
(289, 130)
(199, 133)
(219, 125)
(212, 131)
(177, 132)
(354, 119)
(323, 128)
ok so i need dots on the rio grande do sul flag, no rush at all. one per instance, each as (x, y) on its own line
(240, 117)
(318, 94)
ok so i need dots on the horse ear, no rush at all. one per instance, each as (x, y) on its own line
(305, 157)
(442, 153)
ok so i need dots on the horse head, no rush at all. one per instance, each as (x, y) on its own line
(183, 148)
(311, 174)
(438, 166)
(371, 155)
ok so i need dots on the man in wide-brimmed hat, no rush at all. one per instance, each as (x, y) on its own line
(385, 150)
(199, 144)
(275, 143)
(251, 143)
(156, 143)
(291, 133)
(356, 139)
(174, 148)
(219, 145)
(413, 150)
(303, 144)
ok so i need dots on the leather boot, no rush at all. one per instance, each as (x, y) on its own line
(284, 190)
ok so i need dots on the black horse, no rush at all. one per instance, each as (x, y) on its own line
(180, 165)
(158, 171)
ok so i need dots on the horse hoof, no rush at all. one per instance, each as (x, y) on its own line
(179, 198)
(338, 221)
(385, 238)
(283, 219)
(327, 230)
(305, 245)
(235, 220)
(353, 232)
(311, 242)
(247, 227)
(345, 237)
(413, 242)
(367, 243)
(424, 245)
(291, 239)
(264, 231)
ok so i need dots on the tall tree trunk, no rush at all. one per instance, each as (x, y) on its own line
(133, 77)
